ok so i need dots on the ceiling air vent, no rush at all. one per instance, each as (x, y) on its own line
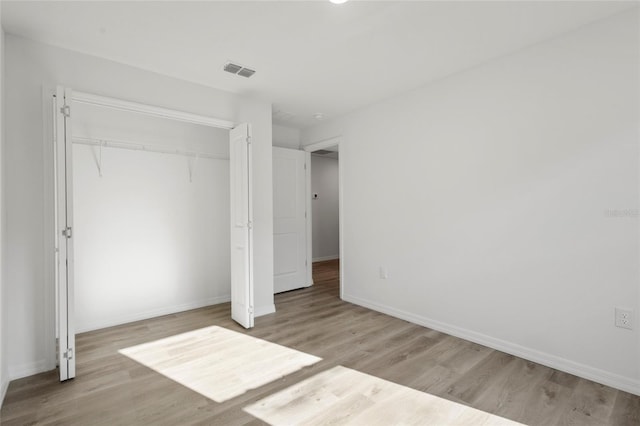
(238, 70)
(322, 152)
(246, 72)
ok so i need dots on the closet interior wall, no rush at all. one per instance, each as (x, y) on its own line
(151, 206)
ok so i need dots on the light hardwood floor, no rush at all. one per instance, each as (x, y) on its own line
(219, 363)
(342, 396)
(112, 389)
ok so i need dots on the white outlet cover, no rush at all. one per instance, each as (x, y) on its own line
(624, 318)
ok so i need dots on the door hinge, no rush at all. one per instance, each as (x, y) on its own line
(67, 232)
(250, 309)
(66, 111)
(249, 140)
(305, 215)
(250, 225)
(69, 353)
(305, 166)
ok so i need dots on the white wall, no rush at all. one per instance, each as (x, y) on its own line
(286, 137)
(324, 209)
(4, 377)
(149, 240)
(485, 194)
(30, 67)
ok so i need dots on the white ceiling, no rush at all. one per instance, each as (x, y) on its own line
(310, 56)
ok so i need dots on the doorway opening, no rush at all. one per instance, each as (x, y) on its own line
(324, 183)
(152, 215)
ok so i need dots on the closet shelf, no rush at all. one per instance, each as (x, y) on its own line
(111, 143)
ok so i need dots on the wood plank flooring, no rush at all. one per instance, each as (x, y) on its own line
(342, 396)
(219, 363)
(112, 389)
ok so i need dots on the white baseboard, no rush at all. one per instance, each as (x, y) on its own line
(323, 258)
(138, 316)
(27, 369)
(264, 310)
(3, 390)
(601, 376)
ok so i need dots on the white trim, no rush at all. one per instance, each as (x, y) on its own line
(49, 223)
(341, 219)
(323, 144)
(324, 258)
(637, 384)
(103, 101)
(309, 219)
(28, 369)
(152, 313)
(604, 377)
(264, 310)
(4, 386)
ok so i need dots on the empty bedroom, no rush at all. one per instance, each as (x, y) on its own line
(320, 212)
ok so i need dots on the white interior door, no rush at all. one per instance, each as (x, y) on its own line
(64, 236)
(241, 226)
(290, 255)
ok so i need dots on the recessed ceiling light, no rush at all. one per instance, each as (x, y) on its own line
(338, 1)
(318, 116)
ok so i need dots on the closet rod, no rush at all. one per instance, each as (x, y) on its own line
(110, 143)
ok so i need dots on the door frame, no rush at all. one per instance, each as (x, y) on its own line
(52, 163)
(64, 243)
(310, 148)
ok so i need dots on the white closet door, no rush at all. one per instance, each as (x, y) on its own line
(289, 220)
(64, 236)
(241, 227)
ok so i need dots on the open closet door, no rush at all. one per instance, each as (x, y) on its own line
(64, 233)
(241, 226)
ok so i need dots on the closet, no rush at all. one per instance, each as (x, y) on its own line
(153, 215)
(151, 211)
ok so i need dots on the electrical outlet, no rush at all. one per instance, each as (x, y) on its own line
(384, 274)
(624, 318)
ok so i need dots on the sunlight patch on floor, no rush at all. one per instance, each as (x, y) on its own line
(219, 363)
(344, 396)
